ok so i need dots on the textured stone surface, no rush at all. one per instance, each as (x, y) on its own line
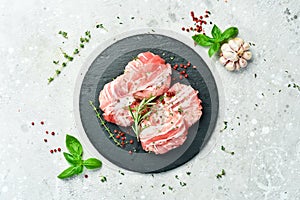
(262, 113)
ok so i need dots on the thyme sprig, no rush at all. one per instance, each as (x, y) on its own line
(69, 58)
(139, 113)
(103, 123)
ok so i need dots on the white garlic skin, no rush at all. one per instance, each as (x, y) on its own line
(230, 66)
(234, 54)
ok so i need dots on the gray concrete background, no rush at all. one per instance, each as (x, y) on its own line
(262, 113)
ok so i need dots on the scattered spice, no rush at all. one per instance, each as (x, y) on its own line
(121, 173)
(101, 26)
(182, 183)
(198, 23)
(294, 86)
(45, 140)
(42, 122)
(221, 174)
(86, 176)
(225, 126)
(59, 149)
(47, 132)
(32, 123)
(53, 133)
(103, 179)
(51, 151)
(223, 149)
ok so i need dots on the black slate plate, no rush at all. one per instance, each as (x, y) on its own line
(109, 64)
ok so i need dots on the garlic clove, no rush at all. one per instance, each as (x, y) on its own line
(246, 46)
(230, 66)
(247, 55)
(229, 55)
(223, 60)
(236, 43)
(237, 66)
(225, 47)
(242, 62)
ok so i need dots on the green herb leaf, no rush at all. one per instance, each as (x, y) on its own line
(99, 26)
(139, 114)
(55, 62)
(213, 49)
(74, 146)
(72, 160)
(216, 32)
(88, 33)
(57, 72)
(203, 40)
(229, 33)
(76, 51)
(71, 171)
(92, 163)
(103, 179)
(50, 79)
(64, 34)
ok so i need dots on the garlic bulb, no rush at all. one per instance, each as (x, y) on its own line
(234, 54)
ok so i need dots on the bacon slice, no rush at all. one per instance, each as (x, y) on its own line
(167, 126)
(186, 102)
(163, 131)
(144, 77)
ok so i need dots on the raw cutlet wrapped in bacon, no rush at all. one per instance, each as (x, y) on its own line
(146, 76)
(167, 126)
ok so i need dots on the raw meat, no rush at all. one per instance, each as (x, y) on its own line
(163, 131)
(146, 76)
(167, 126)
(185, 101)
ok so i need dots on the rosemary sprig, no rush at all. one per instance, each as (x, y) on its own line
(111, 135)
(138, 114)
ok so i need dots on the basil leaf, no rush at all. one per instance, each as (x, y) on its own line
(213, 49)
(229, 33)
(92, 163)
(203, 40)
(216, 32)
(74, 146)
(71, 159)
(71, 171)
